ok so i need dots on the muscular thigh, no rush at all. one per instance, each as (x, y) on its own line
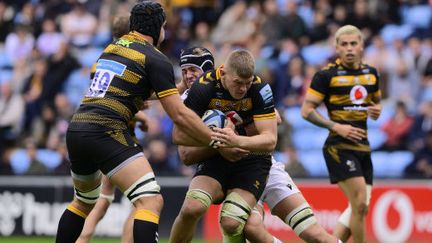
(279, 186)
(131, 172)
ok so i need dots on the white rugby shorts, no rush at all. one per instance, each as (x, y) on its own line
(279, 185)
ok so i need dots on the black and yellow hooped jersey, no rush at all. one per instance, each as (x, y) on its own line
(347, 94)
(208, 93)
(125, 75)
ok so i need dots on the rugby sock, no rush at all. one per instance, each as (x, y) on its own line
(146, 224)
(70, 225)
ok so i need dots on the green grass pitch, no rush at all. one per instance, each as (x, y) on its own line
(15, 239)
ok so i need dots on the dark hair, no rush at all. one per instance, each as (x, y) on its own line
(147, 18)
(199, 57)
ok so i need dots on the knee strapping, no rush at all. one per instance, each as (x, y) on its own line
(204, 197)
(146, 186)
(110, 198)
(301, 218)
(346, 215)
(89, 197)
(237, 208)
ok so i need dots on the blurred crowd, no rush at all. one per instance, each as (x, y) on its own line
(48, 46)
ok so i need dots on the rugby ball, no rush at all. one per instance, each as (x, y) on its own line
(214, 118)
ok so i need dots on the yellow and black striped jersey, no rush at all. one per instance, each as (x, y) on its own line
(125, 75)
(347, 93)
(208, 93)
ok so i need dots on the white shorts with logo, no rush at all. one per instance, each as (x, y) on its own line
(279, 185)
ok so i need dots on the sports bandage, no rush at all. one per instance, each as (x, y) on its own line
(237, 208)
(301, 218)
(346, 215)
(109, 198)
(200, 195)
(89, 197)
(146, 186)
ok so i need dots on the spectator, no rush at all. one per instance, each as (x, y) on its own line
(11, 114)
(19, 44)
(36, 167)
(421, 167)
(158, 157)
(397, 129)
(32, 92)
(50, 40)
(6, 24)
(422, 125)
(79, 26)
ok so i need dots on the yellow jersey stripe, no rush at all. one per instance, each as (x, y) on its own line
(351, 80)
(128, 53)
(348, 115)
(315, 93)
(167, 92)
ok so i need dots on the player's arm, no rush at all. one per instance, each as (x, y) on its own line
(310, 113)
(264, 141)
(195, 131)
(192, 155)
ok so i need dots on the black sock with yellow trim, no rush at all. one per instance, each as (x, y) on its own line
(70, 225)
(146, 224)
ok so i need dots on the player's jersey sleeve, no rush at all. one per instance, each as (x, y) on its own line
(263, 103)
(319, 85)
(199, 96)
(376, 90)
(161, 75)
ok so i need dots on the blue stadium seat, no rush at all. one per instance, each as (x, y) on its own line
(76, 85)
(20, 161)
(89, 56)
(309, 138)
(314, 163)
(376, 137)
(5, 75)
(390, 164)
(50, 158)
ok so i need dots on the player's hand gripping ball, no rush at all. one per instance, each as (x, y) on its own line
(214, 118)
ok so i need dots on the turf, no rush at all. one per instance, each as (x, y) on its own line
(15, 239)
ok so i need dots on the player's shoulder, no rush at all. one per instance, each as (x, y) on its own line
(209, 78)
(366, 68)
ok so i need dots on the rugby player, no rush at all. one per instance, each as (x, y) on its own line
(231, 87)
(350, 90)
(127, 73)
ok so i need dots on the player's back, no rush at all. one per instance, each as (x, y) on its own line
(123, 77)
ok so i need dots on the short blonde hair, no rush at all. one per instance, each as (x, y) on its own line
(348, 29)
(242, 63)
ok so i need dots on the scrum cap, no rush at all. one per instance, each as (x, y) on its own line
(147, 18)
(198, 57)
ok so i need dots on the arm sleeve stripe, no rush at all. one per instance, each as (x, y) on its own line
(167, 92)
(315, 93)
